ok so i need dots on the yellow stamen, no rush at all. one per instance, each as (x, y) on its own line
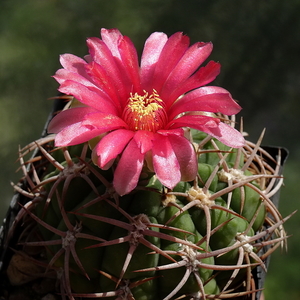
(145, 112)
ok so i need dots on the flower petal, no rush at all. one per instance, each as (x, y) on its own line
(112, 37)
(202, 77)
(166, 132)
(80, 124)
(62, 75)
(126, 58)
(194, 121)
(227, 135)
(129, 168)
(73, 63)
(188, 64)
(74, 69)
(144, 140)
(186, 156)
(75, 134)
(170, 55)
(213, 126)
(111, 145)
(101, 78)
(103, 121)
(205, 99)
(99, 101)
(68, 117)
(165, 162)
(103, 56)
(130, 63)
(152, 50)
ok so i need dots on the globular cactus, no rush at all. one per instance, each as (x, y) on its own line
(181, 210)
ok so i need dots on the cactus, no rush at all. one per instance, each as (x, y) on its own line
(197, 227)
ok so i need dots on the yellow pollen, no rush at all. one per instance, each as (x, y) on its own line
(144, 112)
(144, 105)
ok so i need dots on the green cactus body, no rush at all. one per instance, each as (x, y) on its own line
(196, 241)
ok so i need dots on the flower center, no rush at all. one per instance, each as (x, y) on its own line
(145, 112)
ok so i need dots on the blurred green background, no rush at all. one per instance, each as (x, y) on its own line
(256, 41)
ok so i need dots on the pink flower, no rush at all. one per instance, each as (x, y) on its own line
(140, 111)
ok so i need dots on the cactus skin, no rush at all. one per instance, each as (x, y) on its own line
(200, 240)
